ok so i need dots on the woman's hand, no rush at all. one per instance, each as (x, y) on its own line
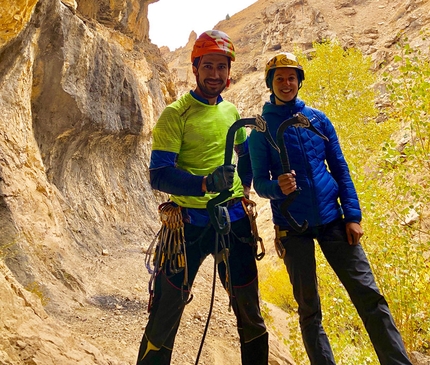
(354, 233)
(287, 182)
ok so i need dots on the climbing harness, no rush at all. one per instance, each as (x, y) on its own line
(299, 121)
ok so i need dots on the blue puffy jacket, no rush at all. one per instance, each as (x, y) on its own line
(322, 174)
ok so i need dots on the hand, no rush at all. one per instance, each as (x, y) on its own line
(287, 182)
(221, 179)
(353, 233)
(246, 191)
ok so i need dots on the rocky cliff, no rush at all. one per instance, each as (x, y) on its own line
(270, 26)
(81, 88)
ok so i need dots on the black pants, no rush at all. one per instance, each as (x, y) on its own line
(169, 298)
(352, 267)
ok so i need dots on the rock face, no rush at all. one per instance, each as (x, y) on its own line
(81, 87)
(270, 26)
(77, 108)
(78, 101)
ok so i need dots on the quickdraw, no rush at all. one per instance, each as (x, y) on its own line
(172, 240)
(170, 250)
(279, 247)
(250, 208)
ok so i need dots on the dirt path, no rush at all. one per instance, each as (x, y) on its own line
(114, 319)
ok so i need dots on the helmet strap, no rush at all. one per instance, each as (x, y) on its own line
(196, 62)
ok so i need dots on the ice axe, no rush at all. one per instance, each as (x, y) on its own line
(259, 124)
(215, 211)
(299, 121)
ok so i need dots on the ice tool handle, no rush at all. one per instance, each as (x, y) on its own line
(259, 124)
(298, 121)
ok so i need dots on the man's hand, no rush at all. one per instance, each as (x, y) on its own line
(287, 182)
(221, 179)
(353, 233)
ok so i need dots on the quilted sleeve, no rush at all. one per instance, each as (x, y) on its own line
(340, 172)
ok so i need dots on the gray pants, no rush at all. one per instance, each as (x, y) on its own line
(352, 268)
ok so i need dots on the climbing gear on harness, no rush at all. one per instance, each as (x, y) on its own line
(279, 247)
(171, 239)
(298, 120)
(251, 211)
(170, 251)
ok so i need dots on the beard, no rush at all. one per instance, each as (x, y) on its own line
(211, 91)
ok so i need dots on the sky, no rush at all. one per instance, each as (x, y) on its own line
(172, 21)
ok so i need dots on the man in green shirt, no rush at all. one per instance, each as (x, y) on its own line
(187, 161)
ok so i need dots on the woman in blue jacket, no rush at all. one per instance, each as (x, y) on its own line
(328, 202)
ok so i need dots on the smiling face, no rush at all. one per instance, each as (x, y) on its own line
(212, 74)
(285, 84)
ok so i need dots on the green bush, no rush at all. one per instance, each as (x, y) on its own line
(404, 166)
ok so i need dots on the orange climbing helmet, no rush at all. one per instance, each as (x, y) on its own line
(213, 41)
(283, 59)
